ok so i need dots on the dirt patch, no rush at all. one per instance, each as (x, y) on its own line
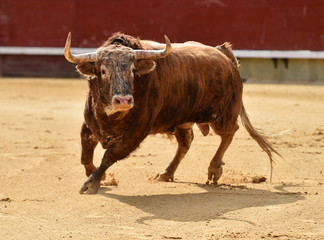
(40, 172)
(111, 181)
(259, 179)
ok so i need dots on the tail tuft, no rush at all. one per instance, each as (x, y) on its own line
(260, 137)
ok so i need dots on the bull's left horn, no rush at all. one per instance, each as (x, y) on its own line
(154, 54)
(77, 58)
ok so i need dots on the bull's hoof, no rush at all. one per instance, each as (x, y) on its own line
(214, 175)
(164, 177)
(91, 186)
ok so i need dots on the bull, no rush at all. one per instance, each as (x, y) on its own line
(140, 87)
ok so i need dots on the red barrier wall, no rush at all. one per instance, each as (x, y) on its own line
(248, 24)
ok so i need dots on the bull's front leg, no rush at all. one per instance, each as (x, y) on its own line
(113, 154)
(88, 144)
(92, 185)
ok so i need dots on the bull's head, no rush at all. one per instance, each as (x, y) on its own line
(113, 67)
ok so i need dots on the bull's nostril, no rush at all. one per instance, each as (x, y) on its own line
(116, 101)
(130, 101)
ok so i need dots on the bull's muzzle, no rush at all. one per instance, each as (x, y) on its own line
(122, 102)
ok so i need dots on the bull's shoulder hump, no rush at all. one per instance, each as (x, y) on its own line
(191, 48)
(147, 44)
(193, 43)
(194, 48)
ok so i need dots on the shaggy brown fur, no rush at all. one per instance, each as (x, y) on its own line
(195, 83)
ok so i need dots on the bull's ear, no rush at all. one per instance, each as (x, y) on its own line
(87, 69)
(144, 67)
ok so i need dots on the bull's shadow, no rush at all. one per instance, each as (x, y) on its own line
(209, 205)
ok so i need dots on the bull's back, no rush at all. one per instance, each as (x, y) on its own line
(196, 83)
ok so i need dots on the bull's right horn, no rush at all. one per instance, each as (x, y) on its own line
(77, 58)
(154, 54)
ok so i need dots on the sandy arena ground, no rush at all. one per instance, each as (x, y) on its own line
(40, 172)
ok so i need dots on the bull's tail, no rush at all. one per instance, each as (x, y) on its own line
(226, 48)
(260, 137)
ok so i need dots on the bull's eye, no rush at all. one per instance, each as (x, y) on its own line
(103, 72)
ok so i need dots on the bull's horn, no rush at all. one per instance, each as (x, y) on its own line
(154, 54)
(77, 58)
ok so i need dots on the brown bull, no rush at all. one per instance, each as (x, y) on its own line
(138, 88)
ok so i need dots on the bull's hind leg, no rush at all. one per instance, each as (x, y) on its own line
(184, 136)
(215, 169)
(88, 144)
